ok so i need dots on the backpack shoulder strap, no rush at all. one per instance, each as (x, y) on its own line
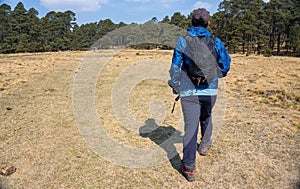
(211, 42)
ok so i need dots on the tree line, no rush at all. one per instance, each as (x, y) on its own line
(246, 26)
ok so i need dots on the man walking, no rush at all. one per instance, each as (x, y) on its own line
(198, 93)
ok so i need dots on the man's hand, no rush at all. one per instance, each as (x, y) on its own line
(174, 91)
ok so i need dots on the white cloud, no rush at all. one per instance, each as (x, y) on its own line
(138, 1)
(169, 1)
(200, 4)
(211, 7)
(76, 5)
(166, 4)
(152, 1)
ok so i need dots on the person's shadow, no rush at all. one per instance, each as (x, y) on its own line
(165, 137)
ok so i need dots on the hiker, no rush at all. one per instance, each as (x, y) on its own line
(197, 94)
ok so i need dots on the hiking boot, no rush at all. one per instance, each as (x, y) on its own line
(203, 151)
(189, 175)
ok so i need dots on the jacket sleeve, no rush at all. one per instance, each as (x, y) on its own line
(224, 58)
(177, 58)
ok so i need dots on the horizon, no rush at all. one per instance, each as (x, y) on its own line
(136, 11)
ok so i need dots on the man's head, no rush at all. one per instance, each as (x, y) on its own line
(200, 17)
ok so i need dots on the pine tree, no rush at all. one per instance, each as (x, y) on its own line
(5, 29)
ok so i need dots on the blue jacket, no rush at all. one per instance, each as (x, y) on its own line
(180, 82)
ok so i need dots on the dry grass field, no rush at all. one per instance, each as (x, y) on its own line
(258, 145)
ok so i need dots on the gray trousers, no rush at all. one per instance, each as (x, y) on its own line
(196, 109)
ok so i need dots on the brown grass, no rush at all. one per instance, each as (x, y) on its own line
(258, 146)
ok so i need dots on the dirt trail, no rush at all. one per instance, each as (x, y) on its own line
(257, 147)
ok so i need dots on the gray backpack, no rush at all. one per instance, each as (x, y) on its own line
(203, 66)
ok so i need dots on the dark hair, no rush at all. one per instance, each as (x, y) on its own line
(199, 22)
(200, 17)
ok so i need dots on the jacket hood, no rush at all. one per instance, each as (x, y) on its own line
(198, 31)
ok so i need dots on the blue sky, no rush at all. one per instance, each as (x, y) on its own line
(127, 11)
